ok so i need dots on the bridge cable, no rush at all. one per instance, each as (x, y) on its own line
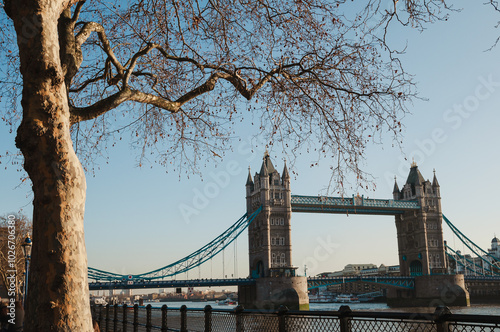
(469, 261)
(191, 261)
(465, 241)
(459, 262)
(460, 235)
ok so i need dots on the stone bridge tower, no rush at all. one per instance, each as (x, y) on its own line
(269, 244)
(420, 233)
(421, 248)
(269, 241)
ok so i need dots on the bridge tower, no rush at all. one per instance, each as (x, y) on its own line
(420, 233)
(269, 242)
(421, 248)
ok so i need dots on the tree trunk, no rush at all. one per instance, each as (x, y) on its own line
(58, 296)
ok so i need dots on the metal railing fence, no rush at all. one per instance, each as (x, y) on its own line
(115, 318)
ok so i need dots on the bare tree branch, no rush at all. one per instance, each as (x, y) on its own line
(84, 34)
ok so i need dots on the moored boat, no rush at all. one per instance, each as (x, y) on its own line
(227, 302)
(346, 298)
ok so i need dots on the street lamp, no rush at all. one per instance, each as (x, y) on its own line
(27, 256)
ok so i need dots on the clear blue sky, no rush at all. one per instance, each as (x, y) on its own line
(133, 218)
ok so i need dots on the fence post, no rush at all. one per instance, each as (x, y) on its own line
(136, 318)
(208, 318)
(106, 323)
(164, 311)
(183, 318)
(440, 318)
(124, 321)
(115, 317)
(282, 311)
(239, 318)
(148, 318)
(345, 319)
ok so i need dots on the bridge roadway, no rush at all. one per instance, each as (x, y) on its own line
(312, 282)
(138, 284)
(400, 282)
(353, 205)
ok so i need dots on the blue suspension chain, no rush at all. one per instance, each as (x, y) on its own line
(465, 240)
(189, 262)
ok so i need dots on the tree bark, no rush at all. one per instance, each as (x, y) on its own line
(58, 296)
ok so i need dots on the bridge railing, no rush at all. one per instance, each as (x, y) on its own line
(124, 318)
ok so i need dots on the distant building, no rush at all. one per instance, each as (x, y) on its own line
(351, 270)
(382, 270)
(363, 270)
(495, 248)
(355, 269)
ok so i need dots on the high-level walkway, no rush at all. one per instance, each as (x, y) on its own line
(353, 205)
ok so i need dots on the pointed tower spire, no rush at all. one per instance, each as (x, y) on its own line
(396, 188)
(267, 166)
(435, 182)
(285, 175)
(415, 177)
(413, 163)
(395, 192)
(249, 178)
(263, 169)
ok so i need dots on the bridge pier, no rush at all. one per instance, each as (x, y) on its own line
(431, 291)
(271, 293)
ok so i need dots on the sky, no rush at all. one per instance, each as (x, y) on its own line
(134, 220)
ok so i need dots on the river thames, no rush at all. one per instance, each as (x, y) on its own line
(472, 310)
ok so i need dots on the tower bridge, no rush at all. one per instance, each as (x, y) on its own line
(416, 208)
(417, 212)
(273, 280)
